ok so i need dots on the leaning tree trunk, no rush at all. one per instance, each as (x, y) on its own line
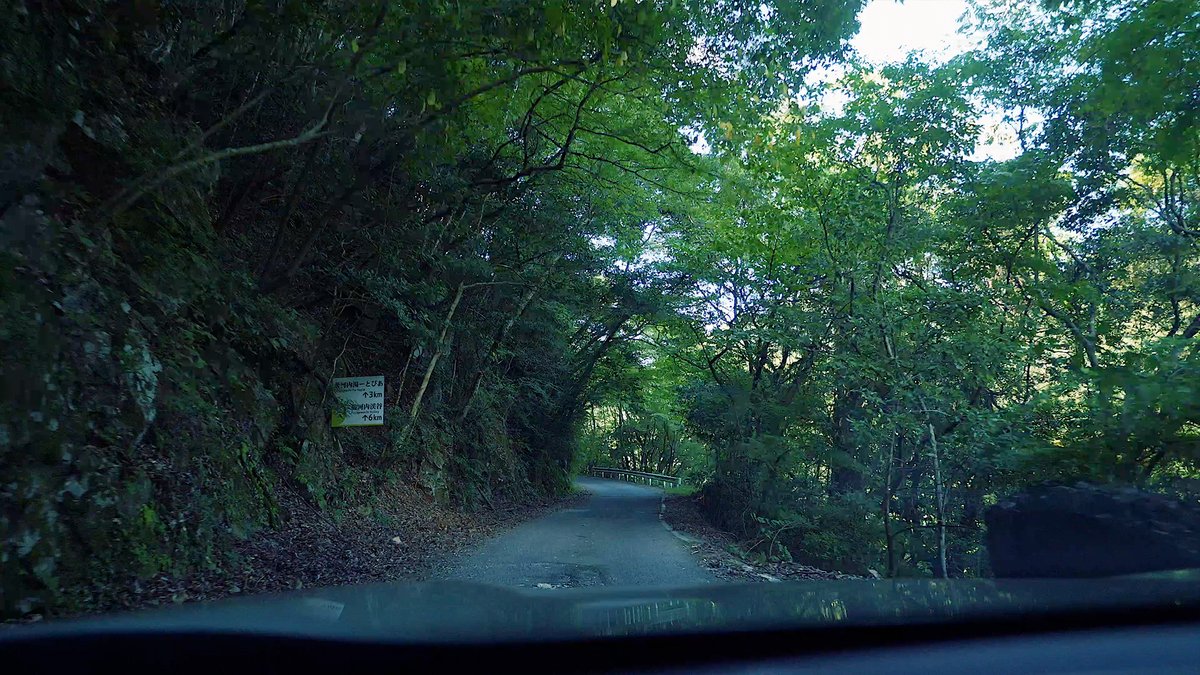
(497, 342)
(888, 490)
(415, 409)
(939, 493)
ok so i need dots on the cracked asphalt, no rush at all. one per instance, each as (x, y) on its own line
(614, 538)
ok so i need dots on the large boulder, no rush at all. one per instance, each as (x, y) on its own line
(1085, 530)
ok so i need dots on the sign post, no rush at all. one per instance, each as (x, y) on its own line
(359, 401)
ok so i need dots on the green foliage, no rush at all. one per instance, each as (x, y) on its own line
(683, 490)
(209, 210)
(849, 329)
(883, 334)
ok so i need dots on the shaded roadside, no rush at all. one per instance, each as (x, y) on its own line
(408, 540)
(716, 548)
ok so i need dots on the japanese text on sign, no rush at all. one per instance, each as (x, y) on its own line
(359, 401)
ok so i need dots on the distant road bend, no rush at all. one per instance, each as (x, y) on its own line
(615, 538)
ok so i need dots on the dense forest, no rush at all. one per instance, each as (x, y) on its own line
(697, 237)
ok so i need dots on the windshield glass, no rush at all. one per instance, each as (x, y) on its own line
(604, 295)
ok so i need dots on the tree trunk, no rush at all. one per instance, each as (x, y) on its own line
(285, 216)
(940, 492)
(888, 533)
(497, 342)
(845, 478)
(581, 379)
(415, 409)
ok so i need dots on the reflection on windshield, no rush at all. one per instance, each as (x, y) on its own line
(452, 612)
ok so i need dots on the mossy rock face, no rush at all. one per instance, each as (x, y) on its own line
(157, 403)
(132, 437)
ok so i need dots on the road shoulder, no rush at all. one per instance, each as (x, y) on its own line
(410, 539)
(715, 548)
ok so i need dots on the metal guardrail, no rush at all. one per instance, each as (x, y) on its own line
(656, 479)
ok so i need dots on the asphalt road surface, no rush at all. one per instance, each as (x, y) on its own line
(615, 538)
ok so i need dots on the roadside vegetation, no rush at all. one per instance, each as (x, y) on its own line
(885, 331)
(569, 232)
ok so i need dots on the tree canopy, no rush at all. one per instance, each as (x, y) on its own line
(697, 237)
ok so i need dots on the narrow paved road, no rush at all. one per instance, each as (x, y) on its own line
(614, 539)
